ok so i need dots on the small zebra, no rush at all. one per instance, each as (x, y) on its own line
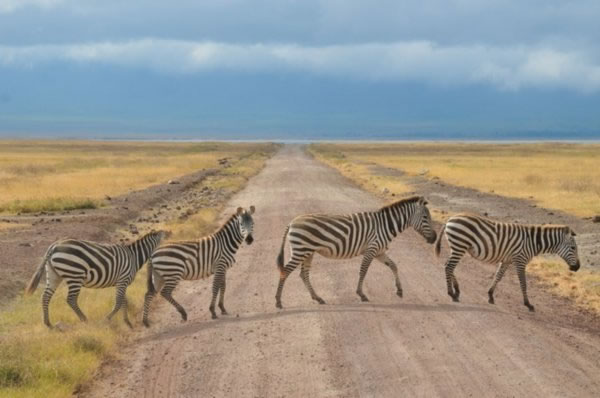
(503, 243)
(199, 259)
(94, 265)
(346, 236)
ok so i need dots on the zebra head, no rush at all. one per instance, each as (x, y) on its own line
(421, 220)
(567, 249)
(246, 223)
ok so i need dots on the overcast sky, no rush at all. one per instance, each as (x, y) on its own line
(299, 68)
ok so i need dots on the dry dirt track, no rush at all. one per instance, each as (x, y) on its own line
(422, 345)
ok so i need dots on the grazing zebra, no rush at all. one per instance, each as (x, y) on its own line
(199, 259)
(503, 243)
(88, 264)
(346, 236)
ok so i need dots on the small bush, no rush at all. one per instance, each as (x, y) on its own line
(51, 204)
(10, 376)
(89, 344)
(532, 179)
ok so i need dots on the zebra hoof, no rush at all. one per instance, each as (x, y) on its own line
(214, 316)
(146, 323)
(491, 300)
(364, 299)
(530, 307)
(399, 293)
(184, 316)
(278, 305)
(320, 300)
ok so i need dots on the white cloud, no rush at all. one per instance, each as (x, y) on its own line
(7, 6)
(507, 68)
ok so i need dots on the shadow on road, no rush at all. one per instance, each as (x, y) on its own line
(193, 327)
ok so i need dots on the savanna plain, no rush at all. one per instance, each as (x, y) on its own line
(95, 190)
(116, 191)
(559, 177)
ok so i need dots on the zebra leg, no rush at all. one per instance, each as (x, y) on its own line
(52, 283)
(222, 295)
(166, 292)
(364, 267)
(523, 283)
(305, 275)
(217, 284)
(147, 300)
(287, 270)
(451, 282)
(125, 315)
(502, 267)
(383, 258)
(455, 286)
(74, 289)
(159, 282)
(121, 290)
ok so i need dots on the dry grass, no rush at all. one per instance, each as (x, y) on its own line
(583, 287)
(37, 362)
(229, 181)
(556, 176)
(358, 170)
(7, 225)
(60, 175)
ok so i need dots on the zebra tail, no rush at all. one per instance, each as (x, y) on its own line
(438, 242)
(281, 252)
(150, 284)
(35, 279)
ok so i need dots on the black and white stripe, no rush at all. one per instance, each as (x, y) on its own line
(82, 263)
(213, 254)
(506, 244)
(346, 236)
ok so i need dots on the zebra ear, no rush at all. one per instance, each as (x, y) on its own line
(252, 208)
(572, 232)
(239, 211)
(423, 201)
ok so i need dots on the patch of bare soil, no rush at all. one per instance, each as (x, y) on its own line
(123, 218)
(421, 345)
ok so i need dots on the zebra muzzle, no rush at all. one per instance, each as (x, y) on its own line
(575, 267)
(432, 238)
(249, 239)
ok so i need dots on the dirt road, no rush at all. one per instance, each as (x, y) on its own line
(421, 345)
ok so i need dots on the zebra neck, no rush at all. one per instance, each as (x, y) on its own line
(394, 221)
(542, 241)
(139, 252)
(230, 234)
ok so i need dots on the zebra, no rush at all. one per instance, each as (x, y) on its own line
(199, 259)
(83, 263)
(503, 243)
(346, 236)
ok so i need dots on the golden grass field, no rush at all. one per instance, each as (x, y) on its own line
(37, 362)
(61, 175)
(556, 176)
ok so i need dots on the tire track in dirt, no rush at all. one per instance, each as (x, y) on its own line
(422, 345)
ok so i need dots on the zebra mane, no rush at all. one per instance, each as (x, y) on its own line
(142, 238)
(225, 224)
(564, 227)
(401, 202)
